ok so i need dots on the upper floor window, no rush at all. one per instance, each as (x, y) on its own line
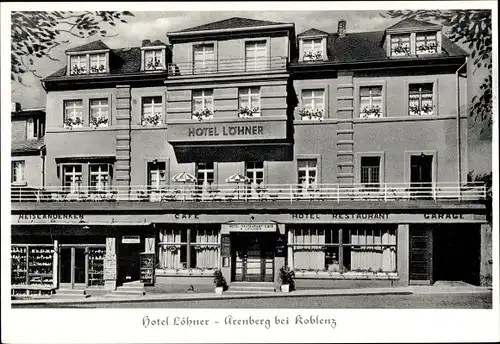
(426, 43)
(307, 172)
(72, 177)
(157, 176)
(204, 58)
(17, 175)
(313, 104)
(421, 99)
(97, 63)
(152, 109)
(203, 104)
(35, 127)
(73, 113)
(400, 45)
(78, 64)
(99, 112)
(255, 172)
(249, 102)
(205, 173)
(313, 49)
(99, 176)
(370, 172)
(370, 101)
(256, 56)
(153, 59)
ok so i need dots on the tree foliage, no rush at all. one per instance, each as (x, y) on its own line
(35, 34)
(472, 28)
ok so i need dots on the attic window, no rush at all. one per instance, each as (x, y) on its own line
(313, 49)
(426, 43)
(97, 63)
(78, 64)
(153, 59)
(400, 45)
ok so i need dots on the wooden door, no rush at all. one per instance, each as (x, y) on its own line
(253, 257)
(421, 256)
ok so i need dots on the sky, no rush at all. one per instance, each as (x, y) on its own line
(155, 25)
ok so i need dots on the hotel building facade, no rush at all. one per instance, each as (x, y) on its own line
(243, 146)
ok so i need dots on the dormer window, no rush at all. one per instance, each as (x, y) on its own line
(78, 64)
(97, 63)
(313, 49)
(153, 59)
(400, 45)
(426, 43)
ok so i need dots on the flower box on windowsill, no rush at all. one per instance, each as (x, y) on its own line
(76, 122)
(427, 49)
(373, 112)
(97, 122)
(313, 56)
(425, 110)
(201, 115)
(246, 112)
(311, 115)
(152, 120)
(97, 69)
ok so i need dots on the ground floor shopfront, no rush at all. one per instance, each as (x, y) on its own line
(327, 249)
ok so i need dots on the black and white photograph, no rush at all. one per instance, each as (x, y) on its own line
(249, 172)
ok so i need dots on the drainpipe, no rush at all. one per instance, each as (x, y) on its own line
(459, 143)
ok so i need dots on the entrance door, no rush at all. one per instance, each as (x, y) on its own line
(129, 266)
(73, 267)
(253, 257)
(421, 175)
(421, 256)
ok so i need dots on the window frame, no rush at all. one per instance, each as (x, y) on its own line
(74, 174)
(256, 65)
(201, 94)
(205, 65)
(80, 63)
(409, 48)
(313, 50)
(254, 170)
(307, 170)
(74, 110)
(204, 170)
(91, 100)
(158, 171)
(371, 106)
(249, 96)
(425, 34)
(358, 157)
(14, 168)
(420, 100)
(98, 56)
(109, 174)
(156, 101)
(155, 52)
(313, 102)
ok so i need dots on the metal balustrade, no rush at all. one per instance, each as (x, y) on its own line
(254, 193)
(227, 66)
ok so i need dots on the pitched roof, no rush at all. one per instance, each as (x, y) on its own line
(121, 61)
(148, 43)
(28, 145)
(411, 23)
(95, 45)
(313, 32)
(231, 23)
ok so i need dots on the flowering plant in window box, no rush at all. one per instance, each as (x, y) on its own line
(311, 114)
(247, 112)
(313, 55)
(427, 48)
(154, 64)
(203, 114)
(76, 70)
(374, 111)
(73, 122)
(402, 50)
(97, 69)
(425, 109)
(151, 119)
(99, 121)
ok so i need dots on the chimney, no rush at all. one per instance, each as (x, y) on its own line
(15, 106)
(146, 42)
(342, 28)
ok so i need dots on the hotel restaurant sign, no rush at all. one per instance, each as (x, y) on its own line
(241, 223)
(227, 131)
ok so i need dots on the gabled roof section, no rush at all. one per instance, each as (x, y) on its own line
(313, 32)
(147, 43)
(412, 24)
(28, 146)
(231, 23)
(96, 45)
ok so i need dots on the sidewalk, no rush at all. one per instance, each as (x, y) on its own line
(297, 293)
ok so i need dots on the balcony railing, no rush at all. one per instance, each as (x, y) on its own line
(227, 66)
(249, 193)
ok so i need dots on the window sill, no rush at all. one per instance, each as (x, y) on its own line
(185, 272)
(347, 275)
(18, 184)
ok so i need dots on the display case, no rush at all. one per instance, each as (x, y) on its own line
(147, 268)
(96, 266)
(32, 270)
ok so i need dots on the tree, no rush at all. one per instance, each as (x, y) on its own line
(36, 34)
(473, 28)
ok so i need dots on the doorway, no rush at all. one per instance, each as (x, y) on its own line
(72, 267)
(421, 176)
(253, 257)
(129, 269)
(421, 255)
(457, 253)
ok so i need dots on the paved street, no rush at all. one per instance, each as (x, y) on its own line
(454, 300)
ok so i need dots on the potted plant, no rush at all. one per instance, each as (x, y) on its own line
(374, 111)
(73, 122)
(151, 119)
(247, 112)
(98, 121)
(220, 282)
(202, 114)
(286, 279)
(311, 114)
(313, 55)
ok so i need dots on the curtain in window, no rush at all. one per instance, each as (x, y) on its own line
(207, 256)
(312, 256)
(364, 257)
(170, 254)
